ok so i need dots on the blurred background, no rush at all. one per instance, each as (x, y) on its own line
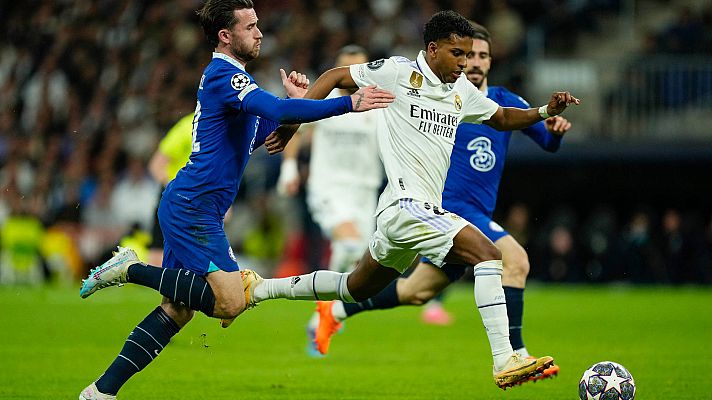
(88, 89)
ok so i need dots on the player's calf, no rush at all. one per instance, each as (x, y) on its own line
(179, 285)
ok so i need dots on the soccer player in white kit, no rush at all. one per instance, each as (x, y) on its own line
(345, 174)
(416, 136)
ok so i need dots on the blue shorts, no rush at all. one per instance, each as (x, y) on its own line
(194, 238)
(484, 223)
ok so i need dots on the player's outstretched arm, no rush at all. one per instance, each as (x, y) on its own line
(364, 99)
(508, 118)
(367, 98)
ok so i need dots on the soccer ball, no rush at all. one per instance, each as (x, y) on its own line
(607, 380)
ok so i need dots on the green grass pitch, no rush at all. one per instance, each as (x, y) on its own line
(52, 344)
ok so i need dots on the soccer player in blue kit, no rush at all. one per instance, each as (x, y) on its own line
(476, 167)
(232, 118)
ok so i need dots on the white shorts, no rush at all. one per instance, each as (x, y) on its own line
(411, 227)
(338, 204)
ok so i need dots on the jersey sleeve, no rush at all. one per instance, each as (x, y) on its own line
(231, 86)
(545, 139)
(476, 106)
(382, 73)
(266, 127)
(236, 89)
(537, 132)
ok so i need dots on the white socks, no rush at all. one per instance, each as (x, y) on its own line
(523, 351)
(319, 285)
(345, 253)
(338, 311)
(490, 300)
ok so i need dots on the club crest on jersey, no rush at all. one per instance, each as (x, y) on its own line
(374, 65)
(458, 102)
(416, 80)
(239, 81)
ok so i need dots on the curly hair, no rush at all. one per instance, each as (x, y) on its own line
(445, 23)
(220, 14)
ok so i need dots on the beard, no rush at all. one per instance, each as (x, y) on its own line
(245, 54)
(478, 80)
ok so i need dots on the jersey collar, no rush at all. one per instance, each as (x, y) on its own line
(229, 59)
(425, 69)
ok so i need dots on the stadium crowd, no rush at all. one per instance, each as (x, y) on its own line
(87, 88)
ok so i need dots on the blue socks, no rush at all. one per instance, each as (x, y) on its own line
(386, 298)
(515, 309)
(179, 285)
(142, 346)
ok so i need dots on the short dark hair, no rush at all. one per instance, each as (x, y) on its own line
(482, 33)
(220, 14)
(445, 23)
(352, 50)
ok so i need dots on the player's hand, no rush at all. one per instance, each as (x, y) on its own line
(296, 83)
(288, 181)
(559, 101)
(557, 125)
(371, 97)
(277, 140)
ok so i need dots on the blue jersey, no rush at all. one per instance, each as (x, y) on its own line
(477, 159)
(233, 116)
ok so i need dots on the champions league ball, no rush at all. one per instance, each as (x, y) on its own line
(606, 380)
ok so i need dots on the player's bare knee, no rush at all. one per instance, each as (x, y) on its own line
(517, 265)
(420, 297)
(229, 308)
(180, 314)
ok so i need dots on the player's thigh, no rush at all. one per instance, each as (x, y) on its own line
(413, 226)
(194, 239)
(424, 283)
(229, 293)
(369, 278)
(471, 247)
(515, 261)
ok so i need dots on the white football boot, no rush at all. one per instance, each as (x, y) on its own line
(111, 273)
(92, 393)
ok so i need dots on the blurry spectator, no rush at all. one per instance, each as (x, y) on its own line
(20, 240)
(640, 255)
(676, 249)
(703, 263)
(507, 29)
(601, 247)
(517, 223)
(135, 196)
(562, 263)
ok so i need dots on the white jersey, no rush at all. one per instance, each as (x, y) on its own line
(416, 133)
(344, 151)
